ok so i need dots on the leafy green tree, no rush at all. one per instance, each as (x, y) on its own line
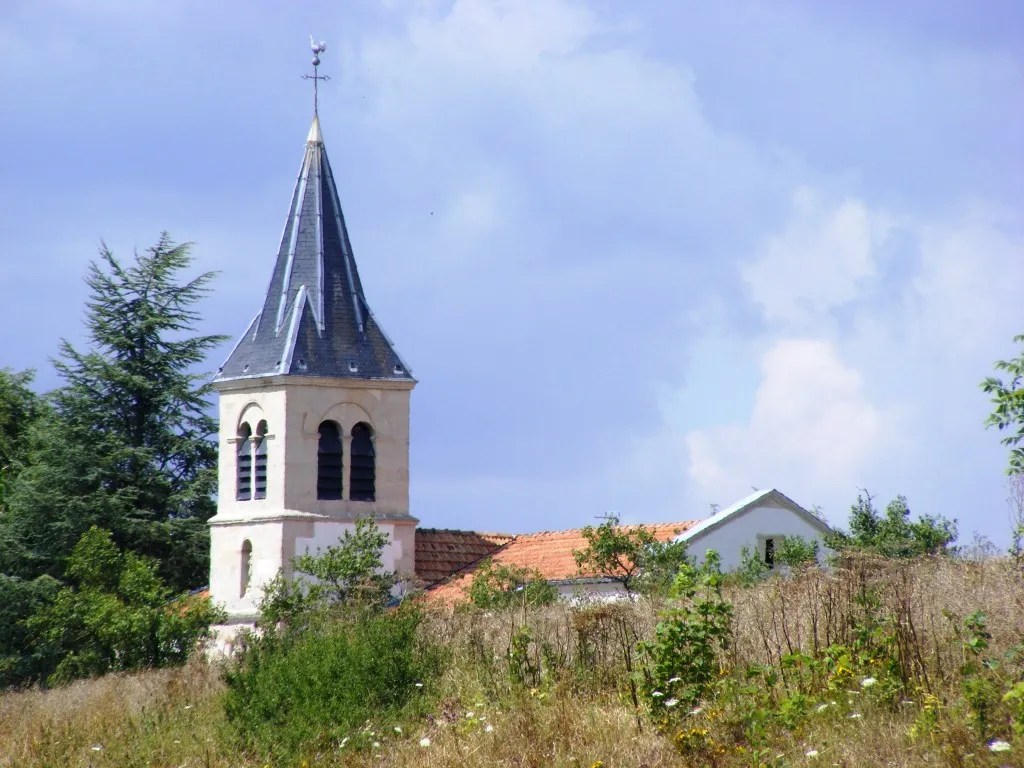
(344, 576)
(117, 614)
(894, 534)
(630, 555)
(501, 585)
(127, 446)
(20, 599)
(1008, 399)
(20, 407)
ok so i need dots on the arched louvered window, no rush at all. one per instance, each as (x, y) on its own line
(243, 491)
(260, 462)
(328, 462)
(246, 570)
(362, 480)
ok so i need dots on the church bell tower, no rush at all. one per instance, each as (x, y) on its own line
(314, 408)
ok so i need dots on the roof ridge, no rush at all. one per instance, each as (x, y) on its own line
(464, 530)
(621, 525)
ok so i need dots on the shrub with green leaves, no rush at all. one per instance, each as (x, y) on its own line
(682, 660)
(500, 585)
(347, 575)
(893, 534)
(631, 555)
(292, 694)
(117, 615)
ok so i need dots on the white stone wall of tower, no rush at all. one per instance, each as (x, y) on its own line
(291, 519)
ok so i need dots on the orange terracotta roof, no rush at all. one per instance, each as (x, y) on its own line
(550, 553)
(440, 553)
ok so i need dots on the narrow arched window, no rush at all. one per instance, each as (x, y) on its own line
(260, 462)
(246, 567)
(328, 462)
(243, 491)
(362, 480)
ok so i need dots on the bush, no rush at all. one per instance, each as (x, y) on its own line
(293, 694)
(118, 615)
(499, 586)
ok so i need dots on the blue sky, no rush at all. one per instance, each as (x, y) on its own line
(642, 257)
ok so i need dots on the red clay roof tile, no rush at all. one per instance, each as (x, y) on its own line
(549, 552)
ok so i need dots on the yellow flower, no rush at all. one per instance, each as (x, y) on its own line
(598, 764)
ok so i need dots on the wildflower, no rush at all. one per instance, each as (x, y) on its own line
(907, 702)
(812, 753)
(671, 702)
(598, 764)
(489, 728)
(856, 715)
(674, 680)
(97, 748)
(398, 730)
(696, 710)
(469, 714)
(344, 741)
(867, 682)
(419, 685)
(425, 742)
(822, 707)
(376, 745)
(188, 706)
(999, 746)
(657, 694)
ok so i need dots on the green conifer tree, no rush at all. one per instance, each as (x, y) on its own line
(127, 445)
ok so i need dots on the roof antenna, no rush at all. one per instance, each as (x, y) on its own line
(318, 48)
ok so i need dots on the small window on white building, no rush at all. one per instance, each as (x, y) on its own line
(243, 479)
(769, 552)
(246, 569)
(260, 462)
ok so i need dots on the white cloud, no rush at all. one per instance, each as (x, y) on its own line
(818, 262)
(968, 291)
(812, 429)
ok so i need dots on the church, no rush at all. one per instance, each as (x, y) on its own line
(314, 433)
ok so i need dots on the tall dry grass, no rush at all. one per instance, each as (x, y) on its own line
(573, 707)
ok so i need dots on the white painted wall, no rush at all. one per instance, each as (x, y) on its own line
(291, 519)
(750, 528)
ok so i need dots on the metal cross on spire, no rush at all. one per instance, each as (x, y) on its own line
(318, 48)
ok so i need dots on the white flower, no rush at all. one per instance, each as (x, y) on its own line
(489, 728)
(397, 729)
(811, 753)
(344, 741)
(696, 710)
(671, 702)
(856, 715)
(867, 682)
(376, 745)
(188, 706)
(999, 746)
(419, 685)
(469, 714)
(907, 702)
(657, 694)
(425, 742)
(674, 680)
(822, 707)
(97, 748)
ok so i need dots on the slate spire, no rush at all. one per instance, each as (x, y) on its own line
(315, 320)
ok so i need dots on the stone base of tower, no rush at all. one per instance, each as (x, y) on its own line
(227, 638)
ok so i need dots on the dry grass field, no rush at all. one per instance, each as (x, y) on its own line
(556, 694)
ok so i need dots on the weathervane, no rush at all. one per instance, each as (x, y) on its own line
(318, 48)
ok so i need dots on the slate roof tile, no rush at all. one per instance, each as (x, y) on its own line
(315, 320)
